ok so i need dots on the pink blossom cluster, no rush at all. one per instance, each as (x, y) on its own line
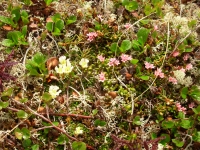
(159, 73)
(125, 57)
(101, 58)
(186, 57)
(92, 36)
(175, 53)
(188, 67)
(148, 65)
(173, 80)
(191, 105)
(127, 25)
(180, 108)
(101, 77)
(113, 62)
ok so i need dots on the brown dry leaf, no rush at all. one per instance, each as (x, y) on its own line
(7, 28)
(112, 94)
(52, 63)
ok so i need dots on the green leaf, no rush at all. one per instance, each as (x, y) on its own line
(8, 43)
(7, 92)
(196, 110)
(142, 35)
(137, 120)
(71, 19)
(26, 133)
(144, 77)
(16, 14)
(26, 143)
(18, 133)
(7, 20)
(49, 26)
(4, 105)
(186, 124)
(125, 45)
(23, 100)
(99, 122)
(46, 97)
(22, 114)
(59, 24)
(195, 93)
(166, 140)
(94, 112)
(76, 145)
(15, 36)
(125, 2)
(24, 30)
(167, 124)
(56, 17)
(113, 47)
(35, 147)
(48, 2)
(184, 92)
(178, 143)
(148, 9)
(136, 45)
(134, 61)
(39, 59)
(62, 139)
(196, 137)
(133, 5)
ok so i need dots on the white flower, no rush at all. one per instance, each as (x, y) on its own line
(62, 60)
(84, 62)
(160, 146)
(87, 5)
(54, 91)
(78, 131)
(64, 68)
(68, 68)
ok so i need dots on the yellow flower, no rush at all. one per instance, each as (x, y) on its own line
(84, 63)
(54, 91)
(64, 68)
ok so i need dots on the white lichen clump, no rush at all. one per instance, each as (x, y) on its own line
(181, 79)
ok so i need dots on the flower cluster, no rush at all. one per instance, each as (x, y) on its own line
(149, 65)
(113, 62)
(159, 73)
(101, 77)
(180, 108)
(91, 36)
(125, 57)
(64, 66)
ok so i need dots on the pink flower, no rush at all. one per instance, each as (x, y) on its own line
(125, 57)
(173, 80)
(186, 56)
(100, 17)
(102, 77)
(127, 25)
(175, 53)
(182, 69)
(148, 65)
(191, 105)
(91, 36)
(101, 58)
(155, 27)
(113, 62)
(180, 108)
(159, 73)
(188, 66)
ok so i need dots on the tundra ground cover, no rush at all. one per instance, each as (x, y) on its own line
(108, 74)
